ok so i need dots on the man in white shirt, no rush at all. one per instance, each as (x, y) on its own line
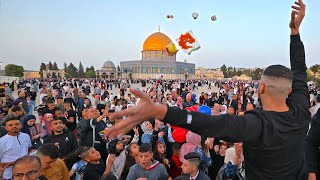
(13, 146)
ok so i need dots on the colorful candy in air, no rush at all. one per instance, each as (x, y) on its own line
(213, 18)
(170, 16)
(195, 15)
(188, 42)
(171, 49)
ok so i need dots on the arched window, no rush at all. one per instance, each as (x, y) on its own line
(159, 70)
(149, 70)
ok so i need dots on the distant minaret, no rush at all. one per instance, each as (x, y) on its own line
(159, 28)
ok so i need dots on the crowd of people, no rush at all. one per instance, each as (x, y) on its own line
(60, 129)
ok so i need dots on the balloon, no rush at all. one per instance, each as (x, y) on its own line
(194, 108)
(195, 15)
(175, 127)
(213, 18)
(205, 110)
(188, 42)
(171, 49)
(179, 135)
(189, 109)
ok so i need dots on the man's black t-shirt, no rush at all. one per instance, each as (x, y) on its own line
(71, 126)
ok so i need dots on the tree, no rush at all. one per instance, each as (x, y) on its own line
(90, 68)
(223, 68)
(42, 68)
(315, 68)
(71, 71)
(257, 73)
(55, 66)
(238, 73)
(50, 66)
(90, 74)
(14, 70)
(81, 71)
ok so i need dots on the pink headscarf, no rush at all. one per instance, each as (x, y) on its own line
(47, 123)
(193, 140)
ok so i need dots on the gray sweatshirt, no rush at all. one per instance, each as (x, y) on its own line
(156, 172)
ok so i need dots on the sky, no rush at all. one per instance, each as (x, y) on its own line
(246, 34)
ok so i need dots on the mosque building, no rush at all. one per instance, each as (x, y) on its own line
(155, 63)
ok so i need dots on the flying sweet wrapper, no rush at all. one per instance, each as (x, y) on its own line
(213, 18)
(195, 15)
(171, 49)
(188, 42)
(170, 16)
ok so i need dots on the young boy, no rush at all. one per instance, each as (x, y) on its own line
(95, 167)
(147, 167)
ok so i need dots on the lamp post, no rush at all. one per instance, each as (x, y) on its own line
(0, 65)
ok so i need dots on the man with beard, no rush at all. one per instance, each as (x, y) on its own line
(13, 146)
(65, 141)
(273, 136)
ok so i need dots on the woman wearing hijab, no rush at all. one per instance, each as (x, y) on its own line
(34, 130)
(223, 109)
(47, 118)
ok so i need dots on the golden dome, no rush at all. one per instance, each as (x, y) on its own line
(156, 42)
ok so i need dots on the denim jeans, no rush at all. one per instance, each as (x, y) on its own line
(32, 105)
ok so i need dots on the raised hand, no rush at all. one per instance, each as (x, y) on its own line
(297, 15)
(145, 109)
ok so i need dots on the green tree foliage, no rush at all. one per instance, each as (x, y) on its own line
(81, 71)
(90, 74)
(238, 73)
(223, 68)
(14, 70)
(55, 66)
(50, 66)
(72, 71)
(42, 68)
(315, 69)
(90, 68)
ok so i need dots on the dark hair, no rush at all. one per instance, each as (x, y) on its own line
(108, 176)
(75, 156)
(176, 146)
(112, 147)
(16, 108)
(192, 155)
(182, 178)
(49, 150)
(59, 97)
(12, 119)
(156, 155)
(130, 161)
(278, 71)
(58, 109)
(145, 148)
(27, 159)
(318, 97)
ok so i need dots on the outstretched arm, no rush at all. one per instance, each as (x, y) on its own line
(297, 58)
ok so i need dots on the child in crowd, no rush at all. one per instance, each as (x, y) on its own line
(147, 167)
